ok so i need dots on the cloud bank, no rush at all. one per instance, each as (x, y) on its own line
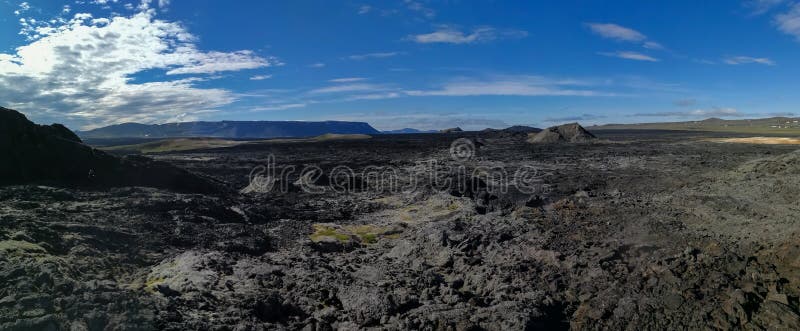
(83, 71)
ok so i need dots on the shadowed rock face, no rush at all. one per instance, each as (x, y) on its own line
(572, 132)
(52, 154)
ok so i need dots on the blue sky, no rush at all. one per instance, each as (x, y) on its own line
(395, 64)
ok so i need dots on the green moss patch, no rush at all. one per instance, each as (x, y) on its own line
(366, 234)
(16, 246)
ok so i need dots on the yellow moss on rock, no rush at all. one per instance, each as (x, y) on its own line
(367, 234)
(151, 283)
(8, 246)
(322, 231)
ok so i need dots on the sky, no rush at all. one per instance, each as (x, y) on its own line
(425, 64)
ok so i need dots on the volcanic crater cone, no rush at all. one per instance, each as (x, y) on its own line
(572, 132)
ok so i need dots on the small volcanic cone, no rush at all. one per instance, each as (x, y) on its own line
(572, 132)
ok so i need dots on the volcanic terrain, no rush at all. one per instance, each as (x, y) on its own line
(633, 230)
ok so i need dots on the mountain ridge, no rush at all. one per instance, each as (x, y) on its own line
(776, 125)
(229, 129)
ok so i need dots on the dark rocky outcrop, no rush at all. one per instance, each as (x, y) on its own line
(522, 129)
(572, 132)
(451, 130)
(516, 131)
(52, 154)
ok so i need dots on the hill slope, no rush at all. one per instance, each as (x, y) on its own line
(52, 154)
(772, 125)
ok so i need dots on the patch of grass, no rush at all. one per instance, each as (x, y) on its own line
(16, 246)
(367, 234)
(175, 145)
(151, 283)
(321, 232)
(392, 236)
(369, 238)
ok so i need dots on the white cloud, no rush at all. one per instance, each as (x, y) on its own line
(347, 80)
(80, 71)
(163, 3)
(278, 107)
(347, 88)
(144, 5)
(630, 56)
(360, 57)
(616, 32)
(101, 21)
(212, 62)
(317, 65)
(451, 35)
(374, 96)
(364, 9)
(789, 22)
(420, 8)
(737, 60)
(623, 34)
(261, 77)
(759, 7)
(66, 9)
(704, 61)
(652, 45)
(23, 7)
(511, 86)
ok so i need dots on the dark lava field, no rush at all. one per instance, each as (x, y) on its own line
(636, 230)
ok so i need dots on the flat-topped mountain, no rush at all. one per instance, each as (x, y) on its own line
(229, 129)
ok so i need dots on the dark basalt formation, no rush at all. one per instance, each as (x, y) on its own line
(521, 128)
(229, 129)
(52, 154)
(451, 130)
(516, 131)
(572, 132)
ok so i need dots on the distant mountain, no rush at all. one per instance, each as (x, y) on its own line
(229, 129)
(775, 125)
(408, 130)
